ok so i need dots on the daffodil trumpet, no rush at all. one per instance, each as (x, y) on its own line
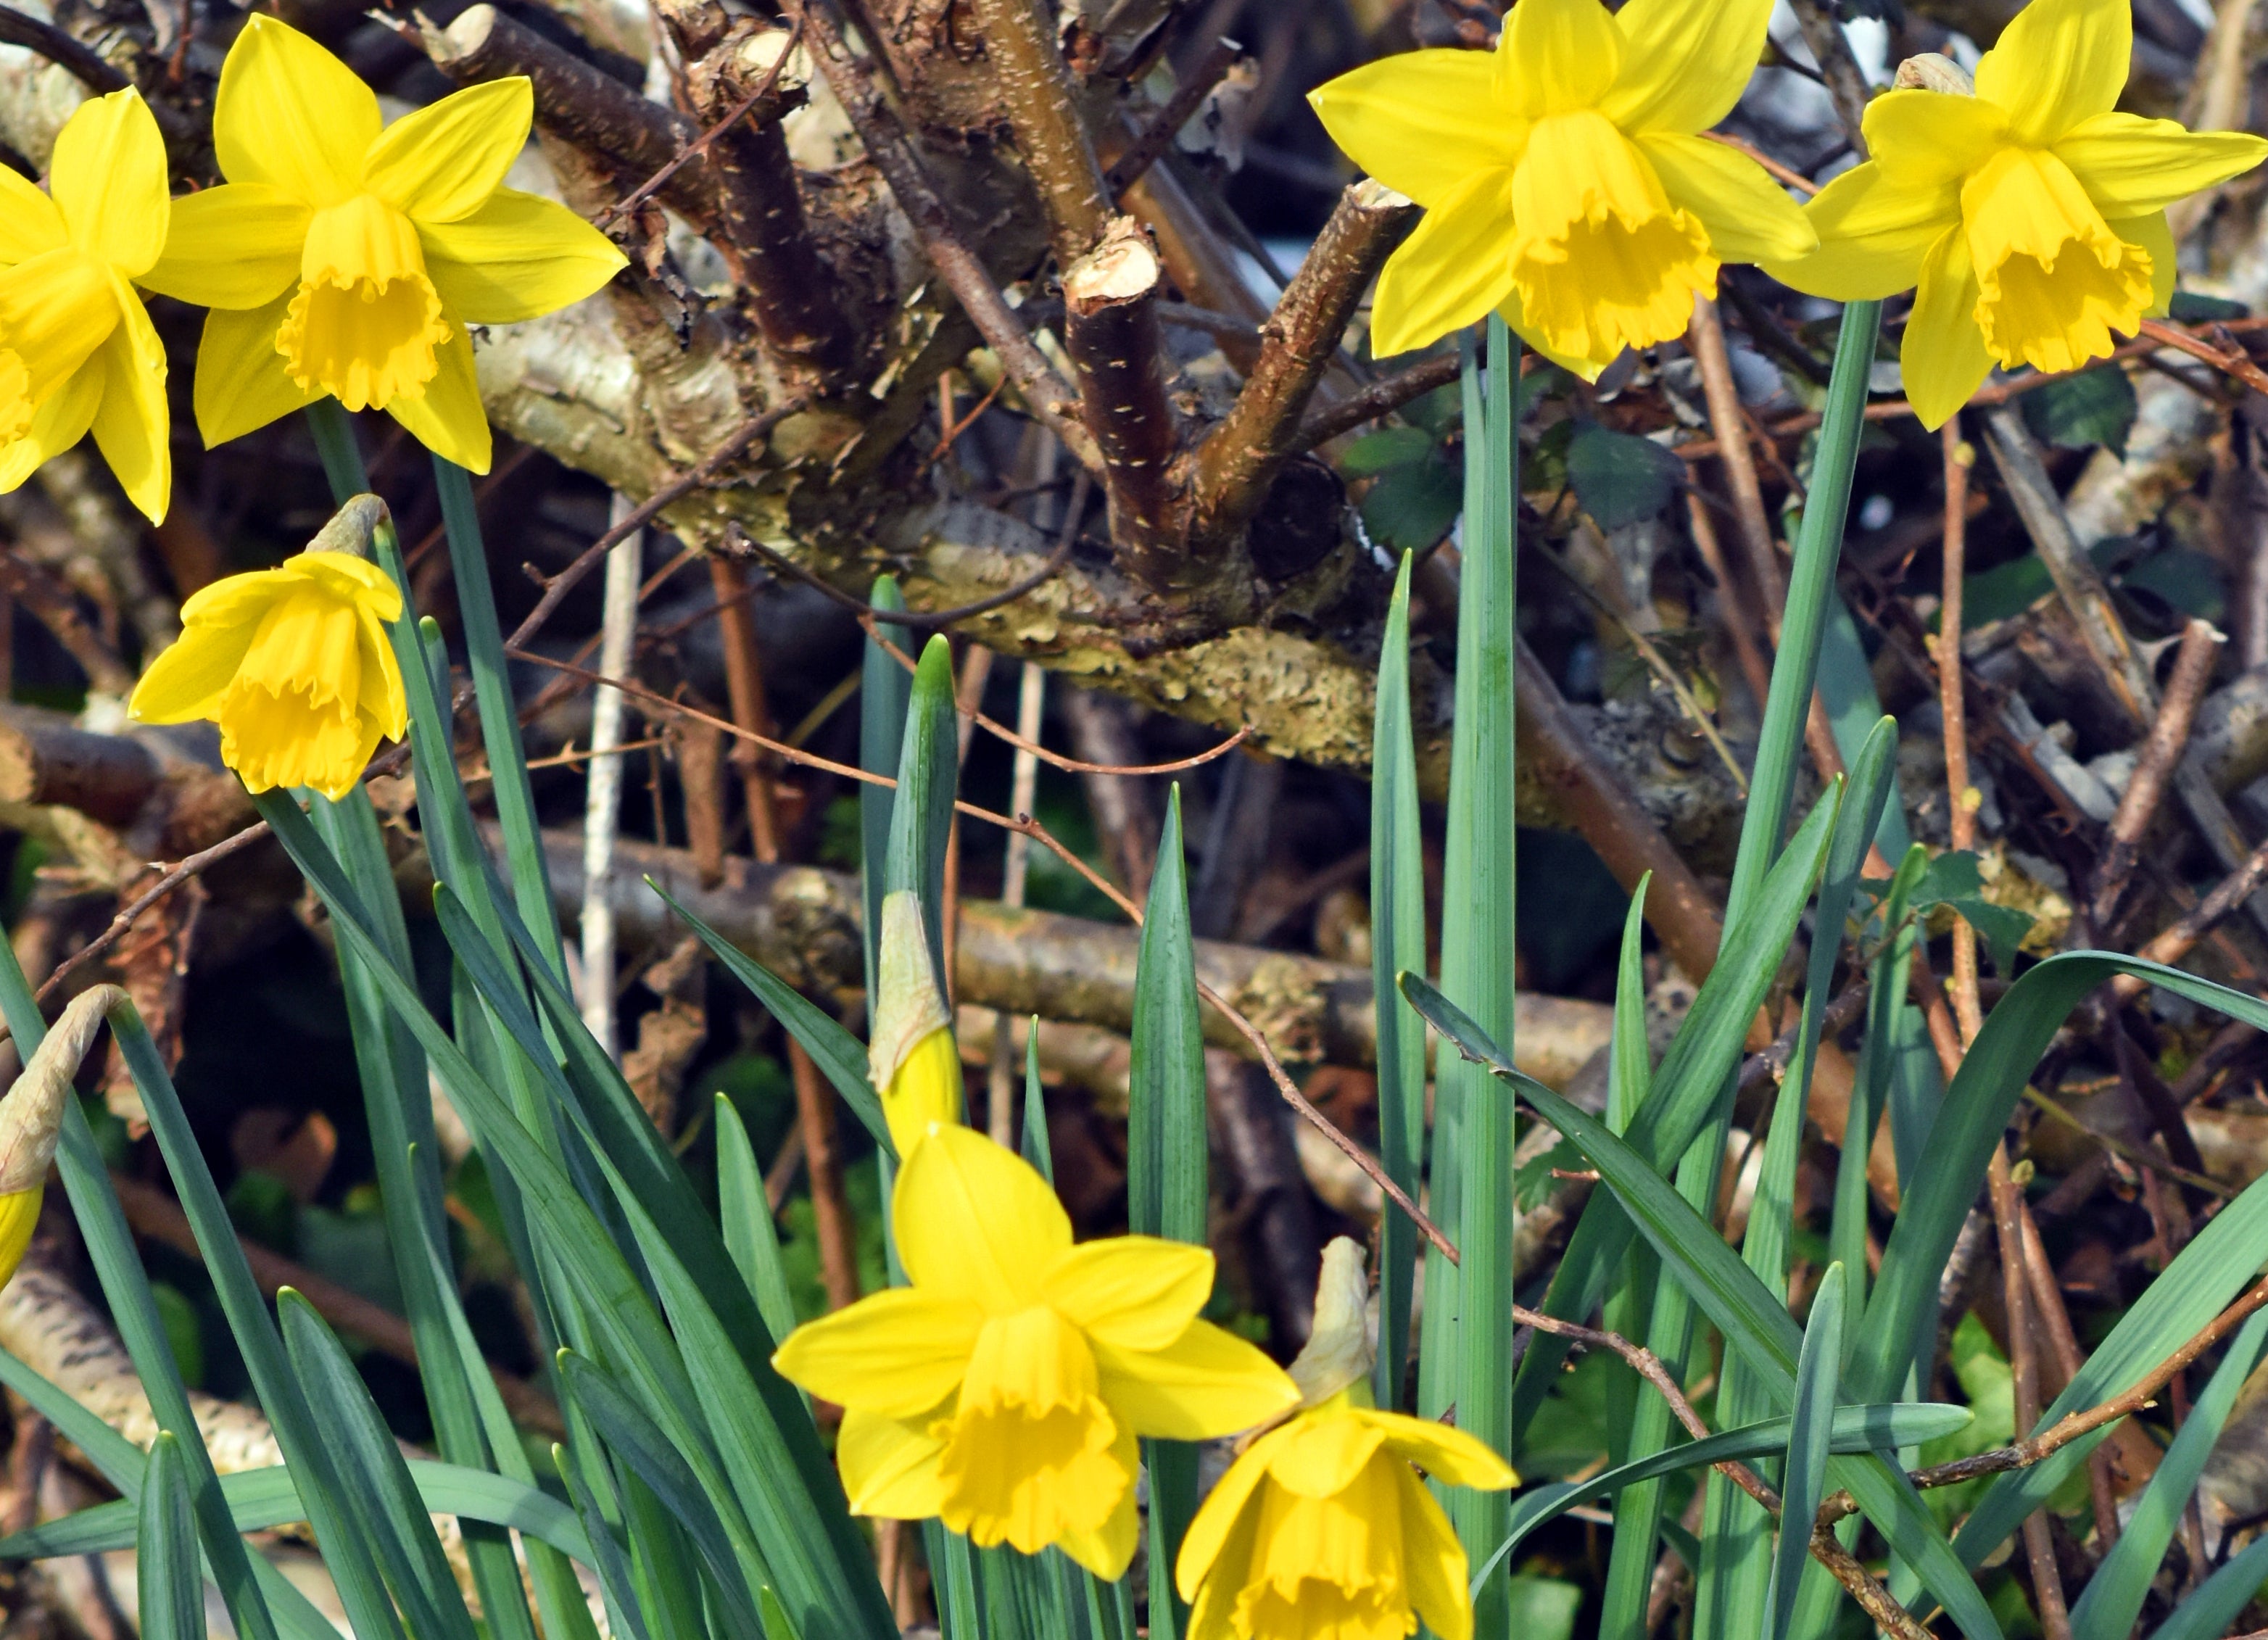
(911, 1057)
(1321, 1527)
(31, 1116)
(77, 352)
(2028, 214)
(1565, 180)
(293, 663)
(346, 259)
(1004, 1388)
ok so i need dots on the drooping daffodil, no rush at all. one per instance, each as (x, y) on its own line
(911, 1056)
(1565, 182)
(346, 260)
(2028, 215)
(32, 1115)
(78, 353)
(292, 663)
(1320, 1526)
(1003, 1389)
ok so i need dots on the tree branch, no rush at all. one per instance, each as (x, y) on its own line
(1051, 139)
(1110, 331)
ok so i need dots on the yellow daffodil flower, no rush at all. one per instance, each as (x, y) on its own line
(1320, 1527)
(32, 1115)
(911, 1057)
(342, 259)
(78, 353)
(1002, 1390)
(293, 664)
(1565, 182)
(2030, 214)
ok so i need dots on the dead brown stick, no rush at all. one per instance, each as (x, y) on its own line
(676, 489)
(1705, 339)
(154, 1214)
(963, 272)
(1753, 667)
(739, 540)
(1380, 398)
(2235, 361)
(2047, 1300)
(2161, 749)
(157, 890)
(2184, 935)
(1952, 705)
(1240, 459)
(744, 683)
(2023, 1369)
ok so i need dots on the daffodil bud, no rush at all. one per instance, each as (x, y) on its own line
(32, 1114)
(1934, 71)
(910, 1053)
(1340, 1349)
(353, 528)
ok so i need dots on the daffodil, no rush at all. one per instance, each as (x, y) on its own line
(2029, 213)
(292, 663)
(911, 1057)
(1320, 1530)
(1004, 1388)
(1565, 182)
(32, 1115)
(346, 260)
(78, 353)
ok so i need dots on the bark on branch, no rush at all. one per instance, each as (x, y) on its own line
(1110, 331)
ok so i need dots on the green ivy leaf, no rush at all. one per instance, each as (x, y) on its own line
(1388, 448)
(2095, 407)
(1411, 507)
(1621, 479)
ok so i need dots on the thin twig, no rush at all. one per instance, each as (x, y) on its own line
(2233, 362)
(173, 879)
(1157, 137)
(676, 489)
(699, 145)
(1380, 398)
(16, 29)
(2161, 749)
(1795, 179)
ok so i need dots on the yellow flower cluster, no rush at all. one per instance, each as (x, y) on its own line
(1568, 187)
(338, 259)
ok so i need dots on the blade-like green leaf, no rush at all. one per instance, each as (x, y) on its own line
(2208, 1614)
(1851, 1429)
(884, 690)
(172, 1593)
(374, 1483)
(1166, 1157)
(750, 1235)
(840, 1058)
(1397, 936)
(921, 814)
(617, 1583)
(1039, 1150)
(2113, 1597)
(1805, 1476)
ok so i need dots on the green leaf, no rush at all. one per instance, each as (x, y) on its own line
(2077, 412)
(373, 1482)
(2208, 1613)
(1851, 1429)
(884, 690)
(1409, 508)
(1038, 1148)
(1619, 478)
(750, 1236)
(1809, 1429)
(1166, 1155)
(840, 1058)
(2194, 307)
(1397, 936)
(1388, 448)
(172, 1587)
(2112, 1599)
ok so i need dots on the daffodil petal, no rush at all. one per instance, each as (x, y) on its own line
(1554, 56)
(448, 418)
(1225, 1573)
(1943, 357)
(898, 1352)
(56, 310)
(241, 384)
(1515, 319)
(291, 115)
(1109, 1549)
(1324, 1453)
(1685, 63)
(443, 162)
(2058, 62)
(2153, 236)
(132, 424)
(1454, 269)
(890, 1468)
(1925, 138)
(185, 681)
(59, 422)
(976, 1222)
(1750, 217)
(518, 256)
(1434, 1565)
(2130, 165)
(1874, 232)
(234, 245)
(108, 180)
(1217, 1518)
(1449, 1455)
(30, 224)
(1421, 122)
(1206, 1383)
(350, 579)
(1137, 1292)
